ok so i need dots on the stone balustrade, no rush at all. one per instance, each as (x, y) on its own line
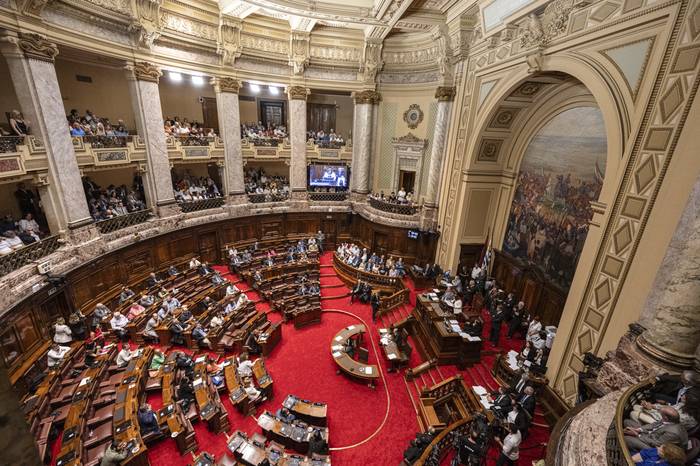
(328, 197)
(9, 144)
(28, 254)
(202, 204)
(393, 208)
(616, 450)
(123, 221)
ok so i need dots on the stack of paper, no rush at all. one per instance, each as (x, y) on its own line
(337, 347)
(337, 354)
(479, 390)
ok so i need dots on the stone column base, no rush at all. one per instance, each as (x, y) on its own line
(663, 356)
(237, 198)
(299, 195)
(168, 210)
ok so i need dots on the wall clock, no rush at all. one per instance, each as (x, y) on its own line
(413, 116)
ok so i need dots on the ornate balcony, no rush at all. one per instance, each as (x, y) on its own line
(394, 208)
(616, 450)
(260, 198)
(123, 221)
(28, 254)
(10, 143)
(106, 142)
(193, 206)
(328, 197)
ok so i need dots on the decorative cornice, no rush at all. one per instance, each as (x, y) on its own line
(367, 97)
(37, 47)
(445, 94)
(297, 92)
(226, 84)
(144, 71)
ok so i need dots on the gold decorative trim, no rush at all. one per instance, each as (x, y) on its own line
(144, 71)
(445, 94)
(367, 97)
(297, 92)
(226, 84)
(37, 47)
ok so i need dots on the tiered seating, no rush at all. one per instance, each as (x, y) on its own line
(254, 451)
(237, 394)
(207, 399)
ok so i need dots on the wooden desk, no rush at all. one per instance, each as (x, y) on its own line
(313, 413)
(262, 377)
(294, 435)
(270, 338)
(207, 398)
(396, 357)
(237, 395)
(353, 368)
(244, 450)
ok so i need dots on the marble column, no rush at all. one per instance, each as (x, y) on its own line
(143, 86)
(362, 140)
(672, 335)
(297, 136)
(226, 90)
(30, 59)
(444, 96)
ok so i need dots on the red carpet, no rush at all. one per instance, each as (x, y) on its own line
(301, 365)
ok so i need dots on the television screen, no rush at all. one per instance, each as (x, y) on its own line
(413, 234)
(329, 176)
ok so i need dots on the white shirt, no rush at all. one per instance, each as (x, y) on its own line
(25, 225)
(511, 445)
(252, 392)
(62, 334)
(119, 323)
(56, 356)
(245, 368)
(194, 263)
(15, 243)
(124, 357)
(533, 329)
(232, 289)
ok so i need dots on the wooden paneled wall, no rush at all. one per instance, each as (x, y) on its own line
(26, 329)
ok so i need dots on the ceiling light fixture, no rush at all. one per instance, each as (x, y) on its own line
(175, 77)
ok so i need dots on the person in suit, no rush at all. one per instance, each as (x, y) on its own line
(26, 200)
(148, 422)
(317, 444)
(518, 417)
(516, 319)
(668, 429)
(152, 280)
(670, 389)
(356, 291)
(496, 320)
(374, 302)
(527, 401)
(521, 384)
(501, 402)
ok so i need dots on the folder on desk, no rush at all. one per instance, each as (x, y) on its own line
(479, 390)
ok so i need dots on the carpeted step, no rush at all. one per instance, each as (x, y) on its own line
(340, 296)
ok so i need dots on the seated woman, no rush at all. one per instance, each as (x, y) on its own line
(134, 311)
(249, 387)
(667, 454)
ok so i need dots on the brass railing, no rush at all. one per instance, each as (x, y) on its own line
(438, 448)
(27, 254)
(267, 197)
(193, 206)
(616, 449)
(123, 221)
(393, 208)
(328, 197)
(10, 143)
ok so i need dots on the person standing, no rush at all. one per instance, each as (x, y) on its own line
(510, 447)
(496, 320)
(320, 237)
(374, 301)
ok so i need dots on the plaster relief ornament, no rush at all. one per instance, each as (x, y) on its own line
(146, 23)
(299, 52)
(413, 116)
(229, 45)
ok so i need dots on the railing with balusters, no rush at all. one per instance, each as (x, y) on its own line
(438, 448)
(328, 196)
(10, 143)
(393, 207)
(28, 254)
(616, 449)
(267, 197)
(123, 221)
(106, 142)
(202, 204)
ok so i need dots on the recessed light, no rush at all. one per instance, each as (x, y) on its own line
(197, 80)
(274, 90)
(177, 77)
(255, 88)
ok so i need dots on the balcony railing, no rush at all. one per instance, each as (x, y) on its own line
(328, 197)
(194, 140)
(329, 145)
(443, 443)
(266, 142)
(393, 208)
(106, 142)
(193, 206)
(10, 143)
(27, 254)
(123, 221)
(268, 197)
(616, 449)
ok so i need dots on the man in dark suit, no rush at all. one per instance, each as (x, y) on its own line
(496, 320)
(516, 318)
(520, 385)
(670, 388)
(26, 199)
(374, 302)
(668, 429)
(527, 401)
(501, 402)
(356, 291)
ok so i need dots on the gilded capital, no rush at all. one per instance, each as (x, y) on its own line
(144, 71)
(367, 97)
(37, 47)
(297, 92)
(226, 84)
(445, 94)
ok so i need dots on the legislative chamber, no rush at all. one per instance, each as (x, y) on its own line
(372, 232)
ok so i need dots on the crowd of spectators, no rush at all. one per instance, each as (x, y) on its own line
(262, 135)
(92, 125)
(192, 188)
(258, 182)
(112, 201)
(15, 234)
(399, 198)
(187, 129)
(360, 258)
(323, 139)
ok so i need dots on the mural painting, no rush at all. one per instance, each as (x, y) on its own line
(561, 173)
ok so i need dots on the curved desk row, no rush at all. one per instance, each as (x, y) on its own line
(348, 365)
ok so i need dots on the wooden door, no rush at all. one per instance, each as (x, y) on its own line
(407, 181)
(210, 113)
(329, 229)
(208, 247)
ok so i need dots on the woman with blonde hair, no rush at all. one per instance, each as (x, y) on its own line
(17, 123)
(667, 454)
(62, 333)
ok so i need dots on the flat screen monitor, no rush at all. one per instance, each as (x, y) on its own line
(328, 176)
(413, 234)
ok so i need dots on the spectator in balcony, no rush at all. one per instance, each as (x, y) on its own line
(28, 223)
(26, 199)
(7, 223)
(17, 124)
(76, 129)
(5, 248)
(61, 332)
(13, 240)
(29, 236)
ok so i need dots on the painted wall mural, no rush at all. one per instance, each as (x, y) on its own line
(561, 172)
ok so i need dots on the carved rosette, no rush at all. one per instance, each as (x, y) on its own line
(367, 97)
(445, 94)
(37, 47)
(297, 92)
(144, 71)
(226, 84)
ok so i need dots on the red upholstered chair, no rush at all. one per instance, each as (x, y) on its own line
(101, 415)
(98, 435)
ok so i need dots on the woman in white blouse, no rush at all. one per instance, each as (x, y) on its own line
(62, 333)
(510, 447)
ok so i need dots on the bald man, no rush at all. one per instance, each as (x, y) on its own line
(668, 429)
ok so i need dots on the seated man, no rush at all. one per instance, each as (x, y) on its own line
(204, 269)
(125, 355)
(232, 289)
(101, 311)
(245, 367)
(147, 300)
(194, 263)
(176, 333)
(216, 279)
(172, 271)
(670, 388)
(185, 393)
(249, 387)
(152, 280)
(149, 332)
(56, 354)
(668, 429)
(185, 316)
(172, 303)
(200, 336)
(205, 304)
(216, 321)
(251, 344)
(317, 444)
(125, 294)
(648, 413)
(283, 414)
(148, 422)
(119, 323)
